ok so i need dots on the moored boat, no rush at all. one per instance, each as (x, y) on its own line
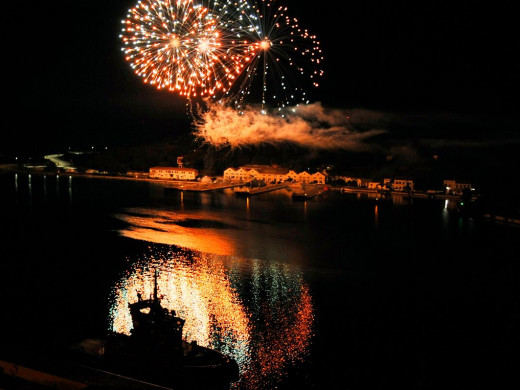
(156, 352)
(302, 195)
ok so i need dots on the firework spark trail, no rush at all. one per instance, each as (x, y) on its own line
(310, 126)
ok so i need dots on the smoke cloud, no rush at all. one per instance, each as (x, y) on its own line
(311, 126)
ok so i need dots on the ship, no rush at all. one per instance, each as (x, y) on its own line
(155, 351)
(304, 195)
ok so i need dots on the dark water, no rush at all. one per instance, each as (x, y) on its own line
(338, 292)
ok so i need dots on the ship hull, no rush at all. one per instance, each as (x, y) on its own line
(199, 368)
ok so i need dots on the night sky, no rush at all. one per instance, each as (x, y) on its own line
(68, 83)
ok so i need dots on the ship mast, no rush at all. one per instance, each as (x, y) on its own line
(155, 299)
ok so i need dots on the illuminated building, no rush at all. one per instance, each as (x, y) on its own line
(454, 187)
(399, 184)
(173, 173)
(271, 174)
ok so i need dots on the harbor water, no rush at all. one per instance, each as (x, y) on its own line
(343, 291)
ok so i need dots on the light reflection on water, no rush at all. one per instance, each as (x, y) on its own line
(214, 232)
(189, 231)
(260, 313)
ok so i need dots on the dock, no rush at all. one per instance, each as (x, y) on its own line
(307, 192)
(261, 190)
(200, 187)
(411, 194)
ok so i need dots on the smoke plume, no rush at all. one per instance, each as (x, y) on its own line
(311, 126)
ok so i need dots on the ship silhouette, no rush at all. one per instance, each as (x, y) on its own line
(155, 351)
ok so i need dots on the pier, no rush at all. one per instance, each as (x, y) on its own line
(411, 194)
(261, 190)
(200, 187)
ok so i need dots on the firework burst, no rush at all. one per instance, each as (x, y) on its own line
(180, 46)
(286, 59)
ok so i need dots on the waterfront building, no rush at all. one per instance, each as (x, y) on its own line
(316, 177)
(453, 187)
(319, 177)
(304, 177)
(366, 183)
(240, 174)
(174, 173)
(266, 173)
(399, 184)
(374, 185)
(271, 174)
(292, 175)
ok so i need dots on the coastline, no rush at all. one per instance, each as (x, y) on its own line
(197, 186)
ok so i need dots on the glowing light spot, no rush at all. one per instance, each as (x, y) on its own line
(175, 42)
(265, 45)
(204, 46)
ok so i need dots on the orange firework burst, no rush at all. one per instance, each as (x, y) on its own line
(180, 46)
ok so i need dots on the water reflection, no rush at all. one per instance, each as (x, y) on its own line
(189, 231)
(221, 233)
(258, 312)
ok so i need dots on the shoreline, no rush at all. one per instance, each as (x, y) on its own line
(195, 186)
(192, 184)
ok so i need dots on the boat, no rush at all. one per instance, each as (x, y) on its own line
(300, 195)
(155, 351)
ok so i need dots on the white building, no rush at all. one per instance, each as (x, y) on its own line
(259, 172)
(173, 173)
(241, 174)
(319, 177)
(271, 174)
(306, 177)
